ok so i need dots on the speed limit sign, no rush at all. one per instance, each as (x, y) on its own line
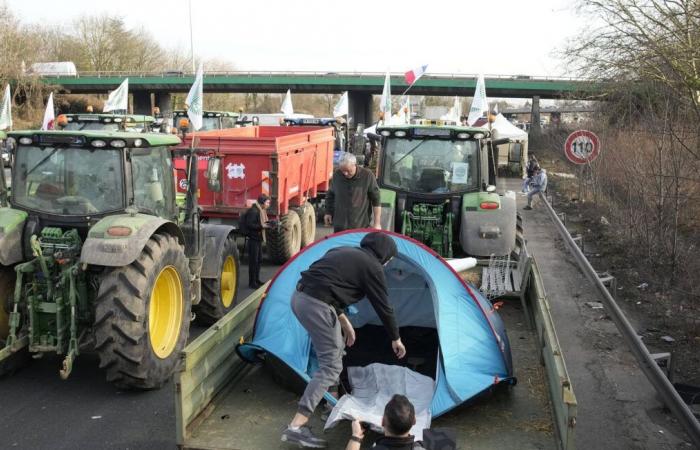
(582, 147)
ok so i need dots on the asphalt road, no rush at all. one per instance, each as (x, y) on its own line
(38, 410)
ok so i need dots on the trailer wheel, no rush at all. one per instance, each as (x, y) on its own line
(143, 315)
(307, 216)
(284, 241)
(219, 294)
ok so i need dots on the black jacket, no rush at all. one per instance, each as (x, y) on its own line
(403, 443)
(252, 223)
(344, 275)
(350, 201)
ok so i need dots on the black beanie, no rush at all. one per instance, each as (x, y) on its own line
(262, 199)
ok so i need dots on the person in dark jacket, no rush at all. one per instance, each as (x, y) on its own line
(256, 223)
(342, 277)
(530, 172)
(353, 194)
(399, 417)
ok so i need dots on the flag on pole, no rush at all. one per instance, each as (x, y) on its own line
(479, 103)
(195, 99)
(118, 99)
(413, 75)
(49, 115)
(404, 115)
(287, 107)
(341, 108)
(6, 110)
(385, 102)
(495, 109)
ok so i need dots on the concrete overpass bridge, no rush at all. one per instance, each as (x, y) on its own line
(360, 86)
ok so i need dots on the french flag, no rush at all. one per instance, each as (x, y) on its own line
(413, 75)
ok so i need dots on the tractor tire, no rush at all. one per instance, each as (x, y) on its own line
(307, 217)
(22, 357)
(284, 241)
(142, 316)
(219, 294)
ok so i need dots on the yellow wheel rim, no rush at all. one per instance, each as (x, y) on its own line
(228, 281)
(165, 312)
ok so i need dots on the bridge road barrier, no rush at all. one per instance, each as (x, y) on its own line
(647, 362)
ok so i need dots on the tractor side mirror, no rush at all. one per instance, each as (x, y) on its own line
(213, 174)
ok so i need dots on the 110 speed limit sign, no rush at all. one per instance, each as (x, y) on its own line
(582, 147)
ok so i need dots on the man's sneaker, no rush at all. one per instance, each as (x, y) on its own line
(303, 437)
(527, 208)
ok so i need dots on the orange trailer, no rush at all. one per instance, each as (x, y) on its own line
(290, 164)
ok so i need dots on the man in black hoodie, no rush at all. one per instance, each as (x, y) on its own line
(342, 277)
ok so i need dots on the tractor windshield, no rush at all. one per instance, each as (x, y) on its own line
(90, 126)
(430, 165)
(67, 180)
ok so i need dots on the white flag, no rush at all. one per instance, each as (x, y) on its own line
(404, 115)
(479, 103)
(6, 110)
(195, 99)
(118, 99)
(341, 108)
(49, 115)
(287, 107)
(385, 102)
(495, 109)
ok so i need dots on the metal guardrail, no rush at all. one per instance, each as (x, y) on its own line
(647, 363)
(186, 74)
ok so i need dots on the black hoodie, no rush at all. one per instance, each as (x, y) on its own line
(345, 275)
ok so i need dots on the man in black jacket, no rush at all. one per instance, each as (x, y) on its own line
(399, 417)
(256, 223)
(342, 277)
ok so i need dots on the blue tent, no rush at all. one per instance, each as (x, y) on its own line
(470, 351)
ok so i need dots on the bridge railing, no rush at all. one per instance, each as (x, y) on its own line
(316, 74)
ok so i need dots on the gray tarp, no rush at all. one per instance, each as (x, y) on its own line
(372, 388)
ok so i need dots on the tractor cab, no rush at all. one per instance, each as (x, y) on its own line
(211, 120)
(134, 123)
(438, 186)
(339, 130)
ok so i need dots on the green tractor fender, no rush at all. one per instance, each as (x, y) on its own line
(214, 238)
(117, 241)
(11, 227)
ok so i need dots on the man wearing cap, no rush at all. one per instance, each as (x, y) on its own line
(256, 223)
(342, 277)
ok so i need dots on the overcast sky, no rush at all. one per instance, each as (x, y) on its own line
(505, 37)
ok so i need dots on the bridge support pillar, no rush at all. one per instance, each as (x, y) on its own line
(164, 101)
(359, 109)
(535, 116)
(142, 102)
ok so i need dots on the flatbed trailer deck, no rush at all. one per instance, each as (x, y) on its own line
(224, 403)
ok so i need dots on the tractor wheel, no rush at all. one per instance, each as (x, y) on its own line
(284, 240)
(307, 216)
(22, 357)
(219, 294)
(142, 316)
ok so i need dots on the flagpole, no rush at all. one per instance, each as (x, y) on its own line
(194, 69)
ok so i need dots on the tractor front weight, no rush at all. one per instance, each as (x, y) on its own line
(51, 290)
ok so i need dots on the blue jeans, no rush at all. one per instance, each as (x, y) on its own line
(534, 191)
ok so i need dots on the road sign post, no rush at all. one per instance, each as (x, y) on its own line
(581, 148)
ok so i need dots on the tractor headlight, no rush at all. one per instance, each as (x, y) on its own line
(462, 135)
(478, 135)
(25, 140)
(400, 133)
(118, 143)
(107, 120)
(138, 142)
(117, 119)
(386, 133)
(99, 143)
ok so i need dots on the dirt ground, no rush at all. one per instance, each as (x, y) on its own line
(669, 320)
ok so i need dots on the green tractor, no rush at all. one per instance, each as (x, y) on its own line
(96, 255)
(211, 120)
(437, 184)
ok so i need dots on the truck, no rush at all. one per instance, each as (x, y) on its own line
(437, 182)
(222, 402)
(289, 164)
(96, 255)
